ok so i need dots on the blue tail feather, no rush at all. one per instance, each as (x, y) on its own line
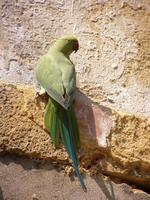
(66, 133)
(62, 125)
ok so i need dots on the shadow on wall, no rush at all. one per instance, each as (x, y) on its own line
(109, 193)
(32, 167)
(1, 194)
(26, 163)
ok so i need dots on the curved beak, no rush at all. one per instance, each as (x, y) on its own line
(76, 47)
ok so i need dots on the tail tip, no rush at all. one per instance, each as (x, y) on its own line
(84, 188)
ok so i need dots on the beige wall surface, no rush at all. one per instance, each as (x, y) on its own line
(113, 63)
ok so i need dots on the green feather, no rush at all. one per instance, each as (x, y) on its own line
(67, 136)
(51, 120)
(75, 129)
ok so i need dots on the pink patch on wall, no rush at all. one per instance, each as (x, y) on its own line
(97, 121)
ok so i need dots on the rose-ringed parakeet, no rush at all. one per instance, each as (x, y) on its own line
(56, 74)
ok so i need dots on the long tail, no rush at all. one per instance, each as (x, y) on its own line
(63, 125)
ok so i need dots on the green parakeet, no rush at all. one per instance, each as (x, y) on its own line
(56, 74)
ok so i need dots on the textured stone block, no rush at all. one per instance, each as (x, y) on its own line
(114, 142)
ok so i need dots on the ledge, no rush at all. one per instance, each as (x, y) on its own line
(113, 142)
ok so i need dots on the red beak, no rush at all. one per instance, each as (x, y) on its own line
(76, 46)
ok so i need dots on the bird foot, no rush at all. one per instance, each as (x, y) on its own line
(39, 94)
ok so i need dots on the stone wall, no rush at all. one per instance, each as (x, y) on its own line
(113, 78)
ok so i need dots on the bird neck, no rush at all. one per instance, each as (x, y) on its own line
(62, 47)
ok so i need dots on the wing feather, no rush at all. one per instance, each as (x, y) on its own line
(57, 76)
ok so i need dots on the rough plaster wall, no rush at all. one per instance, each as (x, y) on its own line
(113, 61)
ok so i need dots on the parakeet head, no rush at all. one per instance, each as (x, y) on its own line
(67, 44)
